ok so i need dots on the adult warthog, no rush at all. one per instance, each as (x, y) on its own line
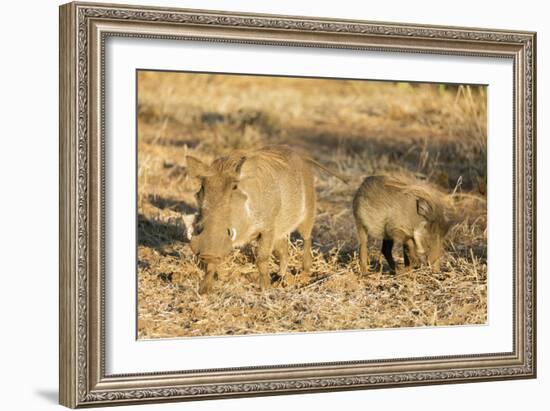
(400, 209)
(261, 195)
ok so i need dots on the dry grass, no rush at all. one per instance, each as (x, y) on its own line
(435, 133)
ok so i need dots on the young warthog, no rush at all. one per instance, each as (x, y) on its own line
(259, 195)
(404, 211)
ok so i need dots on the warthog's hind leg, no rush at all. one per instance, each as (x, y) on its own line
(409, 254)
(306, 226)
(265, 249)
(363, 236)
(281, 252)
(305, 232)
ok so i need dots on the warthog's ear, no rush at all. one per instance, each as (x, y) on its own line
(236, 168)
(196, 168)
(425, 209)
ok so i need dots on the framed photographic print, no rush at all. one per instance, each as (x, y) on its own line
(260, 204)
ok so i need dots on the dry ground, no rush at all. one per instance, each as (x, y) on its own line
(435, 132)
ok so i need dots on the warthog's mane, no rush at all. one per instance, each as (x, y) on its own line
(420, 189)
(272, 159)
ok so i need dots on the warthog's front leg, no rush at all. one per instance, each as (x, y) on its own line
(410, 255)
(387, 247)
(265, 249)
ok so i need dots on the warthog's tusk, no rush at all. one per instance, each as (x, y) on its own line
(188, 221)
(233, 233)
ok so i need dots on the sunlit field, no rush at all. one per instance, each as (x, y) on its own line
(434, 133)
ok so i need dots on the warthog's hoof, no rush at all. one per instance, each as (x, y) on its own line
(435, 267)
(265, 282)
(364, 269)
(205, 286)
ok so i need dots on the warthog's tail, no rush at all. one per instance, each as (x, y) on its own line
(327, 170)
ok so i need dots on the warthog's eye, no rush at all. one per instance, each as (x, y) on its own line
(229, 232)
(234, 186)
(200, 194)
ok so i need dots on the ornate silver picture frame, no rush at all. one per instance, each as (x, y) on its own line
(84, 30)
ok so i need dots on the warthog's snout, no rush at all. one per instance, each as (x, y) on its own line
(204, 255)
(209, 259)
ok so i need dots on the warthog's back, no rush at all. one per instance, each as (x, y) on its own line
(384, 208)
(276, 180)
